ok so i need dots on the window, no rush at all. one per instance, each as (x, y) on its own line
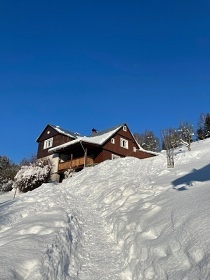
(112, 140)
(125, 128)
(134, 149)
(48, 143)
(123, 143)
(115, 156)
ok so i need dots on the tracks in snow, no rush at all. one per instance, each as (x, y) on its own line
(100, 257)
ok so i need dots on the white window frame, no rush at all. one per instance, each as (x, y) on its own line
(112, 140)
(125, 128)
(48, 143)
(123, 143)
(114, 156)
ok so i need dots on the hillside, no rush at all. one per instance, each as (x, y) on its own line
(124, 219)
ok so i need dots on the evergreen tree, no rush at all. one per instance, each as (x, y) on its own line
(148, 141)
(207, 126)
(201, 127)
(186, 133)
(8, 170)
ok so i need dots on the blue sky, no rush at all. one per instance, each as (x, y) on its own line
(84, 64)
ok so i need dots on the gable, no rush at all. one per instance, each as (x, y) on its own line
(48, 132)
(51, 131)
(51, 137)
(122, 142)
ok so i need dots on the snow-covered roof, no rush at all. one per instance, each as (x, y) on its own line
(97, 138)
(63, 131)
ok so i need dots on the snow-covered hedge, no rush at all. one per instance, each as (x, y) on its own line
(33, 176)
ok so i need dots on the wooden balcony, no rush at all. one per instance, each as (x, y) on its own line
(77, 162)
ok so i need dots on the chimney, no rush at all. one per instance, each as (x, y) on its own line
(94, 130)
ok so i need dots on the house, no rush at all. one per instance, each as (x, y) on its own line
(70, 150)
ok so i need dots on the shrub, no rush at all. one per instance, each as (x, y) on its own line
(33, 176)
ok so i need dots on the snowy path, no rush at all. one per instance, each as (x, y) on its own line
(100, 257)
(77, 247)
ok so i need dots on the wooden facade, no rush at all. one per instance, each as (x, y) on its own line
(85, 151)
(75, 163)
(58, 139)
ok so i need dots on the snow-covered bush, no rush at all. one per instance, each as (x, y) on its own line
(6, 185)
(33, 176)
(68, 173)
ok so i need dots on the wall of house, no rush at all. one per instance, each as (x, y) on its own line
(47, 133)
(102, 156)
(115, 148)
(58, 139)
(142, 154)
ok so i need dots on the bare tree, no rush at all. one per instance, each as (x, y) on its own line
(170, 141)
(139, 138)
(28, 161)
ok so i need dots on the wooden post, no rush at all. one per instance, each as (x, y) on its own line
(85, 152)
(85, 157)
(71, 159)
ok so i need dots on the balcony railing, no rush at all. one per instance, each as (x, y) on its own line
(75, 163)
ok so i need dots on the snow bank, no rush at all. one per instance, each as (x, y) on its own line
(123, 219)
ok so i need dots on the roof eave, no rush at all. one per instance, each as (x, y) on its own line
(61, 147)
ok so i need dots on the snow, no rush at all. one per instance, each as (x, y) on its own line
(124, 219)
(64, 131)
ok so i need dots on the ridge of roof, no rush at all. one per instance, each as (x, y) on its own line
(106, 130)
(65, 131)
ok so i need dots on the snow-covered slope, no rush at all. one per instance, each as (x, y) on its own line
(123, 219)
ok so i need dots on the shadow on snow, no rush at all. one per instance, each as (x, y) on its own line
(201, 175)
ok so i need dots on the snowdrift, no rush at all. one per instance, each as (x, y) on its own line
(123, 219)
